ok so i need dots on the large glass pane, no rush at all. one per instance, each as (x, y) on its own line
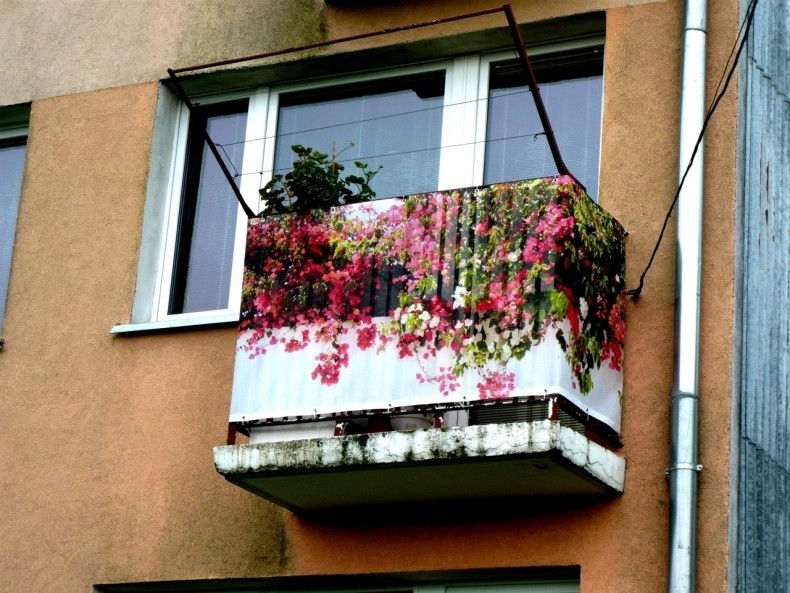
(395, 123)
(208, 218)
(571, 86)
(12, 162)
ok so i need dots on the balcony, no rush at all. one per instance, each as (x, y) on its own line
(392, 350)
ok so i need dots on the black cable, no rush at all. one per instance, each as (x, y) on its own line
(634, 293)
(532, 135)
(378, 118)
(364, 158)
(732, 51)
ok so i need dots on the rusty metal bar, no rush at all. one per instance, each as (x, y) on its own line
(532, 82)
(212, 147)
(232, 431)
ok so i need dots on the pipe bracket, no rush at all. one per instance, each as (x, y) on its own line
(697, 467)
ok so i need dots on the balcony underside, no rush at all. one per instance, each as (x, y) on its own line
(424, 468)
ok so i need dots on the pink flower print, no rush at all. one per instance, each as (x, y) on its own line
(366, 336)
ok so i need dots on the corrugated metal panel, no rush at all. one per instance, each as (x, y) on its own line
(763, 512)
(522, 412)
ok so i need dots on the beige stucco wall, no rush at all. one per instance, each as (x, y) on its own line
(61, 47)
(105, 442)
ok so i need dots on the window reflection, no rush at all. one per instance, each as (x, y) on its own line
(395, 123)
(571, 87)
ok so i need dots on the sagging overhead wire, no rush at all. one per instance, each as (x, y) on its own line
(740, 42)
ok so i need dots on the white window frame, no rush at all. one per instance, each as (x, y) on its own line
(461, 165)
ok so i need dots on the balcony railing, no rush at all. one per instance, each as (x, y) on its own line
(431, 302)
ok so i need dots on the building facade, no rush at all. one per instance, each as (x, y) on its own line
(121, 235)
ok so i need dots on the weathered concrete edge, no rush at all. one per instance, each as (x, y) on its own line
(484, 441)
(598, 461)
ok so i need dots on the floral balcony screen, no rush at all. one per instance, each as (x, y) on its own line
(514, 289)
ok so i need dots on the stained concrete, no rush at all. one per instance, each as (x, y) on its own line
(517, 460)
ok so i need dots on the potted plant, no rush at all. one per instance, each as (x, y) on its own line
(316, 183)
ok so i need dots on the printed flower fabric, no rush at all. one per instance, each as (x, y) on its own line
(487, 272)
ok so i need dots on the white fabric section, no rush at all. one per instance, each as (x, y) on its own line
(278, 384)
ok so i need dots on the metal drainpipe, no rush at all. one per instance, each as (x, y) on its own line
(685, 399)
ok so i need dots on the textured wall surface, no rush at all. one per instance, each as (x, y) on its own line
(763, 513)
(105, 441)
(59, 47)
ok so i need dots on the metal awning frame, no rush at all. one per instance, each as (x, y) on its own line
(518, 42)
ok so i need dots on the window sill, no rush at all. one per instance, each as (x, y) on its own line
(154, 326)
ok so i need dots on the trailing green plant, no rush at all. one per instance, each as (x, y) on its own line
(481, 275)
(316, 183)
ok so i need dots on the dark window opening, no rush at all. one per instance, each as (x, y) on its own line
(207, 223)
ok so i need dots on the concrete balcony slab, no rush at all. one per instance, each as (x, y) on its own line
(539, 459)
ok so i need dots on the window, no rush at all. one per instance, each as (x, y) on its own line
(203, 252)
(12, 161)
(457, 123)
(353, 584)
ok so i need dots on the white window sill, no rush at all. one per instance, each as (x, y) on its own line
(130, 328)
